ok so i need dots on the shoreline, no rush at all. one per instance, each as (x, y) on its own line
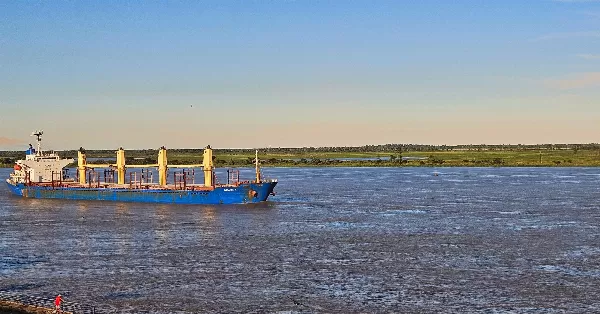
(389, 165)
(295, 159)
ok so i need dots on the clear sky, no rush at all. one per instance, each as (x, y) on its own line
(258, 73)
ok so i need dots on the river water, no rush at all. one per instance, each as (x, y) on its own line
(366, 240)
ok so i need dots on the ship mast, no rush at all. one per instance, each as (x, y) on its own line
(257, 169)
(38, 134)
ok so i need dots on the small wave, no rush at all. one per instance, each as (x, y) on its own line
(569, 271)
(516, 212)
(402, 211)
(570, 181)
(458, 180)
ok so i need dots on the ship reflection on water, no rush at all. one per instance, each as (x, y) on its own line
(335, 239)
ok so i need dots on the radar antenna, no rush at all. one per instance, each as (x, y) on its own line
(38, 134)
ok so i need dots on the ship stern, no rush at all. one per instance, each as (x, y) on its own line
(15, 188)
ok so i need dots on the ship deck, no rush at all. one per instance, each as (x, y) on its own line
(134, 186)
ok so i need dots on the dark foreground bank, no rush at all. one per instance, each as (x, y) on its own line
(7, 307)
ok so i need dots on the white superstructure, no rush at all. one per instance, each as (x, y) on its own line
(39, 166)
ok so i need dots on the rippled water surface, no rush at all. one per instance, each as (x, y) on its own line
(333, 239)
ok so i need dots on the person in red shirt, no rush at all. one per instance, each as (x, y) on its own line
(57, 303)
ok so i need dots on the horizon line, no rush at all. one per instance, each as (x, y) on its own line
(317, 147)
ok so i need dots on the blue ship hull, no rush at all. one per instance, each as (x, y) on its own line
(242, 194)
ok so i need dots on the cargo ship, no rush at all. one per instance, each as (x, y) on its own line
(44, 175)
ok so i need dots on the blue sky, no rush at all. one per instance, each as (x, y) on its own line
(298, 73)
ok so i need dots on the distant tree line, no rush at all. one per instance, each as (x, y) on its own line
(393, 148)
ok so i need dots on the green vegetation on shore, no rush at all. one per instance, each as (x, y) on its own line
(392, 155)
